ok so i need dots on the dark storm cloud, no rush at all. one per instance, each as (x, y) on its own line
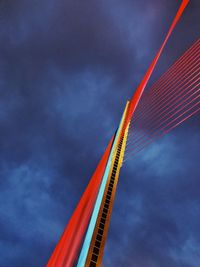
(67, 69)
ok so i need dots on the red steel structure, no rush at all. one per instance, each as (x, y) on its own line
(147, 116)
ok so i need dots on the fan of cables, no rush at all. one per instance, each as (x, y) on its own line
(171, 100)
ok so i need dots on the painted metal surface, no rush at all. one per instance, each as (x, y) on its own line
(91, 227)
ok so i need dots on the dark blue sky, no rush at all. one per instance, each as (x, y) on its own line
(67, 68)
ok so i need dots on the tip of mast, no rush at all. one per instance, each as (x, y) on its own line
(185, 2)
